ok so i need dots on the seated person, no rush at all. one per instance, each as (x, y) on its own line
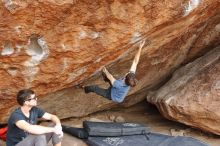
(22, 124)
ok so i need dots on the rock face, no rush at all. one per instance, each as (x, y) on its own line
(193, 93)
(50, 45)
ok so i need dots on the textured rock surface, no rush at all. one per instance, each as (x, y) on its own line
(49, 45)
(192, 95)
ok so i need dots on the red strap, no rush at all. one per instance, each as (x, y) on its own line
(3, 132)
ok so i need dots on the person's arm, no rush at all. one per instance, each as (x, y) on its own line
(34, 129)
(56, 120)
(136, 58)
(108, 75)
(53, 118)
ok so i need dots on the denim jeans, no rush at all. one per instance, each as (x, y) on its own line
(100, 91)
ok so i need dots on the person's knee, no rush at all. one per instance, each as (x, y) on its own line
(56, 139)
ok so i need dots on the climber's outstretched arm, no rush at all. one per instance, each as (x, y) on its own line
(136, 58)
(108, 75)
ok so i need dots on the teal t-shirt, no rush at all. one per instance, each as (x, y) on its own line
(119, 90)
(15, 134)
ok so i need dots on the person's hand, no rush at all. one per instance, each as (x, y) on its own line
(104, 70)
(58, 127)
(60, 134)
(142, 44)
(58, 130)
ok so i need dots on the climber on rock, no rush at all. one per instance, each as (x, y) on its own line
(22, 124)
(118, 87)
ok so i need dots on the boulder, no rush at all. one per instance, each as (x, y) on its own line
(192, 95)
(52, 45)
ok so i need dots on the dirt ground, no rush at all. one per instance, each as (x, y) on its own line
(141, 113)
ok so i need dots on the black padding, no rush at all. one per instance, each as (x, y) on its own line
(114, 129)
(155, 139)
(76, 132)
(182, 141)
(140, 140)
(133, 140)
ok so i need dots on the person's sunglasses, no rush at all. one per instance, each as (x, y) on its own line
(29, 99)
